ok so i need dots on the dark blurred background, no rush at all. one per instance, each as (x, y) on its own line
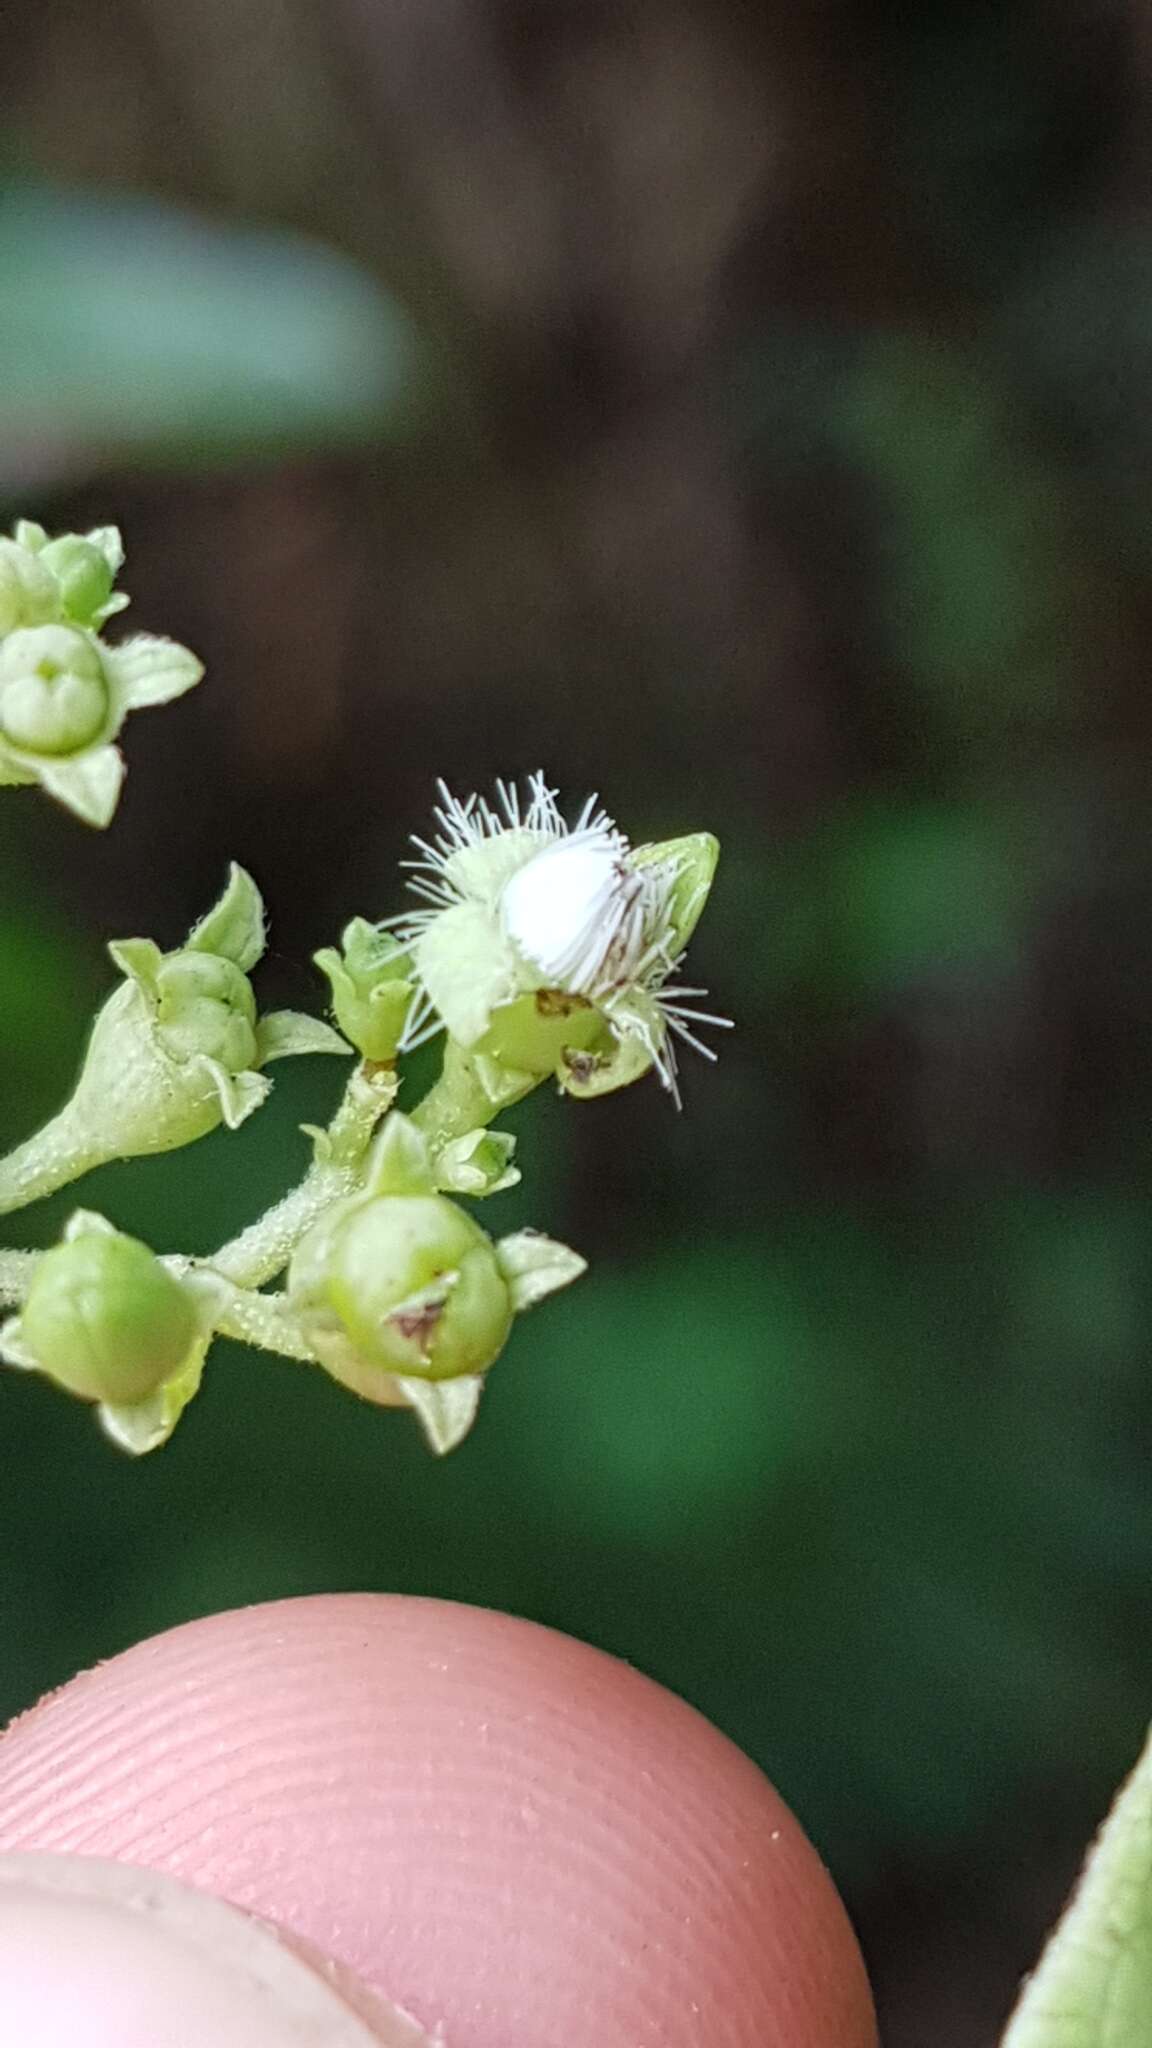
(747, 412)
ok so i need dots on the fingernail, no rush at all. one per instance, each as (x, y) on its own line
(95, 1954)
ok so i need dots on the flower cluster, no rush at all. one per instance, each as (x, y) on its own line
(64, 692)
(540, 949)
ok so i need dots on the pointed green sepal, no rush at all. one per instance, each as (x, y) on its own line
(478, 1164)
(446, 1409)
(88, 785)
(139, 960)
(148, 670)
(401, 1163)
(534, 1265)
(692, 860)
(87, 1223)
(284, 1033)
(143, 1426)
(234, 927)
(238, 1094)
(13, 1349)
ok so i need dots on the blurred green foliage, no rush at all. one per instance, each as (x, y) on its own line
(133, 325)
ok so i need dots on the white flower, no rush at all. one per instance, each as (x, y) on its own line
(552, 946)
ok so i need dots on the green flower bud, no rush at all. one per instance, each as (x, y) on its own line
(400, 1285)
(64, 694)
(84, 577)
(54, 691)
(175, 1051)
(205, 1006)
(370, 990)
(28, 594)
(103, 1317)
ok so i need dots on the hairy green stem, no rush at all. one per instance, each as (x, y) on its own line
(264, 1249)
(51, 1158)
(16, 1270)
(264, 1320)
(467, 1095)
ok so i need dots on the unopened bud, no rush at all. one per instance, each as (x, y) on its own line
(103, 1317)
(403, 1285)
(54, 692)
(205, 1005)
(84, 577)
(28, 594)
(370, 989)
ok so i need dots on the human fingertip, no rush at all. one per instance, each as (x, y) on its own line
(524, 1841)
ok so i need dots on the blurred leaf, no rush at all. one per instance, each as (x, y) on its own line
(129, 326)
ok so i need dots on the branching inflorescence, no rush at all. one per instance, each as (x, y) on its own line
(538, 951)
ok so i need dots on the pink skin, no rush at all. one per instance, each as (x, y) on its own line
(513, 1836)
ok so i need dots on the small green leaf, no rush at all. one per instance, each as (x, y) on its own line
(284, 1032)
(150, 670)
(1093, 1985)
(234, 927)
(534, 1265)
(89, 785)
(446, 1409)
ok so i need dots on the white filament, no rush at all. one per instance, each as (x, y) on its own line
(575, 912)
(578, 910)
